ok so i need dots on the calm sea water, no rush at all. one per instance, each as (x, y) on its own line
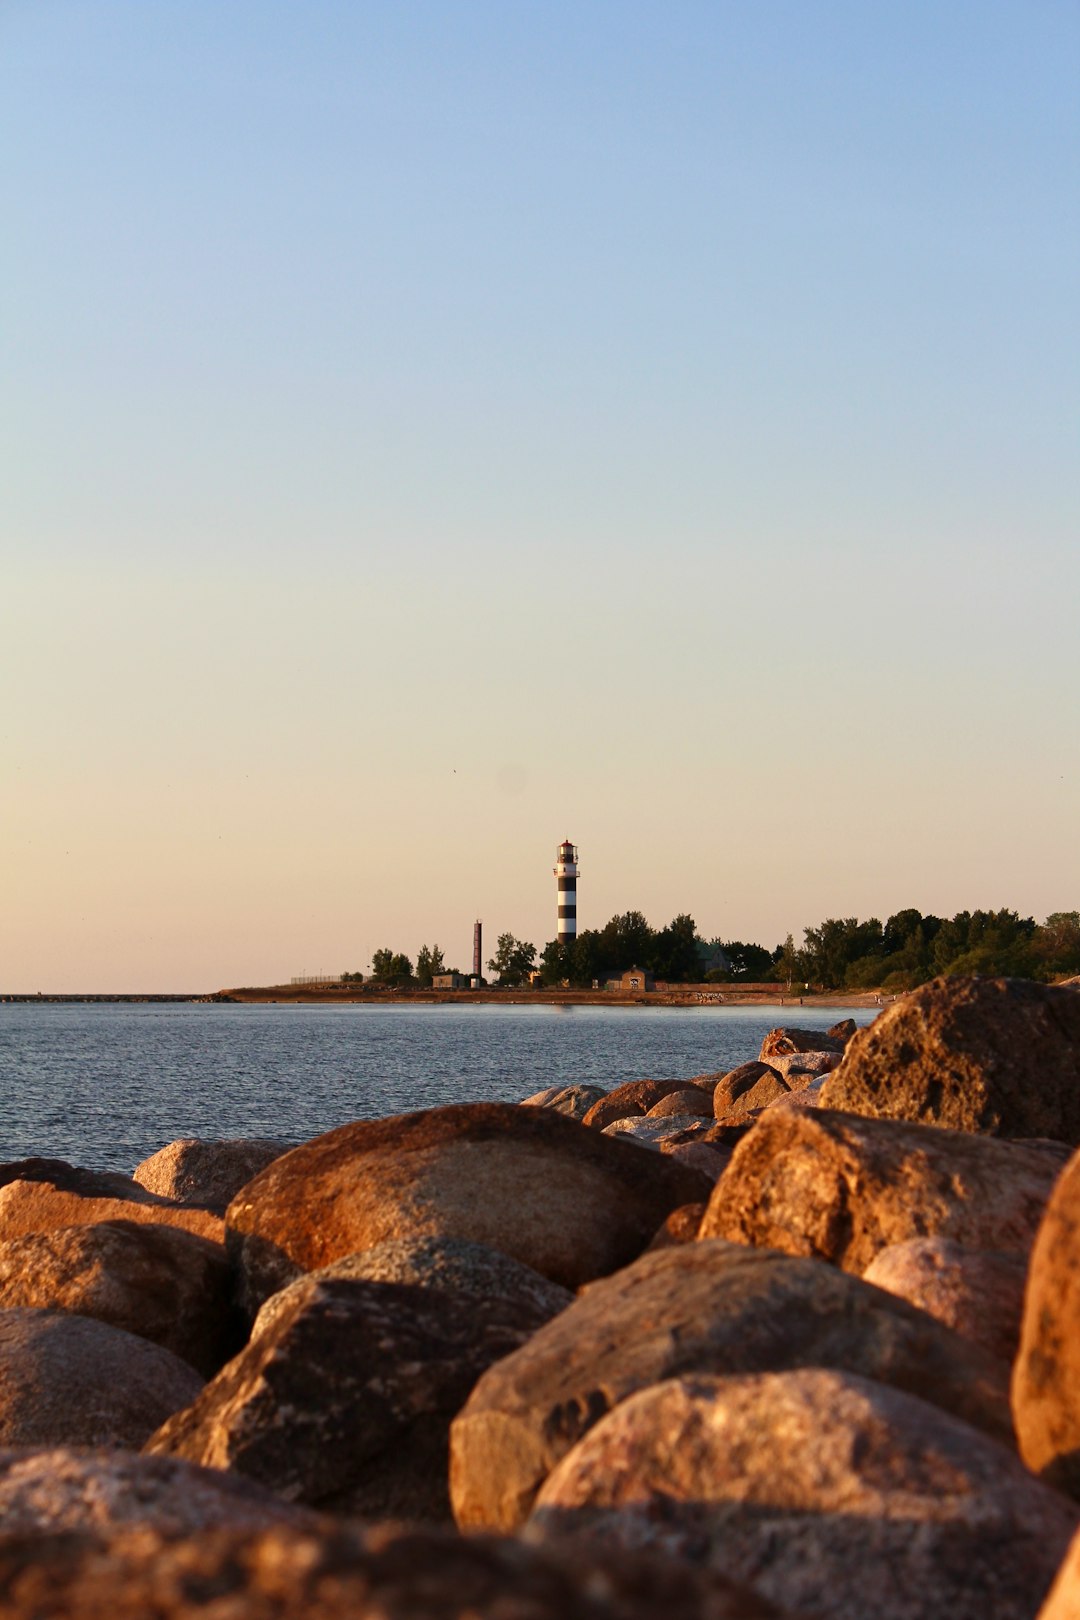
(104, 1086)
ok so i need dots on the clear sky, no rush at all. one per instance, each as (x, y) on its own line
(429, 430)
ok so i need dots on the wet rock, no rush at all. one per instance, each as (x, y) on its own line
(209, 1173)
(883, 1505)
(344, 1396)
(448, 1263)
(101, 1490)
(570, 1203)
(383, 1573)
(996, 1056)
(159, 1282)
(634, 1098)
(839, 1187)
(573, 1101)
(67, 1380)
(39, 1206)
(779, 1042)
(736, 1083)
(694, 1099)
(1046, 1376)
(700, 1307)
(978, 1293)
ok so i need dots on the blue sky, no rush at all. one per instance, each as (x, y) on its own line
(432, 430)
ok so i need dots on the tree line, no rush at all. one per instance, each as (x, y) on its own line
(838, 954)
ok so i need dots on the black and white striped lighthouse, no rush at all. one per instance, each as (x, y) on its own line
(566, 875)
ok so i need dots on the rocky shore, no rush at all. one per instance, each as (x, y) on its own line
(799, 1339)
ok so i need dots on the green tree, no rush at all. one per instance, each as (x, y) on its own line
(673, 952)
(390, 967)
(750, 963)
(428, 963)
(513, 960)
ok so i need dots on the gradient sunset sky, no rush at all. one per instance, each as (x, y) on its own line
(432, 430)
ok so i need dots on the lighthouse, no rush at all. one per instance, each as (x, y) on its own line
(566, 876)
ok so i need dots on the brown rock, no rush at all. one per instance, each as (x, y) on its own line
(100, 1490)
(736, 1083)
(843, 1031)
(160, 1282)
(763, 1092)
(636, 1097)
(385, 1573)
(1063, 1601)
(1046, 1376)
(37, 1206)
(833, 1496)
(570, 1203)
(344, 1396)
(70, 1178)
(837, 1187)
(681, 1226)
(780, 1041)
(997, 1056)
(208, 1173)
(701, 1307)
(978, 1293)
(67, 1380)
(691, 1099)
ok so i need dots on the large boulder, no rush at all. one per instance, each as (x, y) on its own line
(568, 1202)
(1046, 1375)
(384, 1573)
(344, 1396)
(782, 1042)
(838, 1187)
(70, 1488)
(699, 1307)
(159, 1282)
(67, 1380)
(979, 1293)
(799, 1068)
(32, 1205)
(635, 1097)
(195, 1170)
(997, 1056)
(831, 1495)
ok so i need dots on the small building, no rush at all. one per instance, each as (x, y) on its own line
(447, 981)
(633, 980)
